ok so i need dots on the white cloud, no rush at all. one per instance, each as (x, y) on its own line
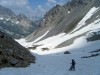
(18, 6)
(63, 1)
(52, 1)
(17, 3)
(23, 6)
(39, 11)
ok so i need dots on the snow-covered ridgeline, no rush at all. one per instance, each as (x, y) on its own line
(87, 16)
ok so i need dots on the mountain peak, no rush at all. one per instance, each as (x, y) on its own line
(22, 15)
(6, 12)
(16, 26)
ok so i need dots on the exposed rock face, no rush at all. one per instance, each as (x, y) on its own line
(12, 54)
(16, 26)
(23, 20)
(49, 16)
(94, 35)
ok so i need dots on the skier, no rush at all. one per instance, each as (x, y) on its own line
(72, 68)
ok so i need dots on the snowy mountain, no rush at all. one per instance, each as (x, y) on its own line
(68, 21)
(67, 32)
(16, 26)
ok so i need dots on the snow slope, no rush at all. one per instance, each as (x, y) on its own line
(87, 16)
(56, 63)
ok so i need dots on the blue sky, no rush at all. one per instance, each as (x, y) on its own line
(33, 8)
(34, 3)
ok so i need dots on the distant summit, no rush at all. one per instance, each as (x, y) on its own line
(6, 12)
(15, 25)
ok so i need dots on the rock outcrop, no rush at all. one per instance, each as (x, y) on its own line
(12, 54)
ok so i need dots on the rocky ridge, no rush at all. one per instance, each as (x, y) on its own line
(12, 54)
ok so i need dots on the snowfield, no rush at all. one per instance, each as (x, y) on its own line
(54, 61)
(57, 63)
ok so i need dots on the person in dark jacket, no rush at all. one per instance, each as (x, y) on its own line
(72, 68)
